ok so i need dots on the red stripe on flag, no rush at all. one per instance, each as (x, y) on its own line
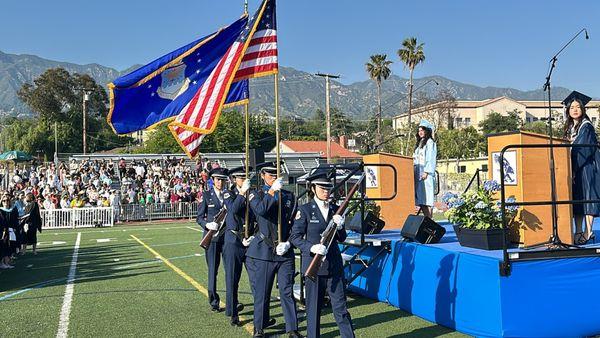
(260, 54)
(264, 39)
(252, 70)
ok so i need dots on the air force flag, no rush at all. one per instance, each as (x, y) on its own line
(160, 90)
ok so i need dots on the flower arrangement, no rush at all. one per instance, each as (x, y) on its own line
(478, 209)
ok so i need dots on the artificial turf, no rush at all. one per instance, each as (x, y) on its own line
(123, 289)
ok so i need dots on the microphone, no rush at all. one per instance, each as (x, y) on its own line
(587, 37)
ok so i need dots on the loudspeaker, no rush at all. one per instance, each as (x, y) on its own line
(422, 229)
(256, 156)
(373, 225)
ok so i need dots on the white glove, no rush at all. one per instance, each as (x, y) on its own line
(246, 241)
(339, 221)
(212, 226)
(245, 187)
(319, 249)
(282, 248)
(277, 185)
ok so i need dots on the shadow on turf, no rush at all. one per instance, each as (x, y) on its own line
(95, 263)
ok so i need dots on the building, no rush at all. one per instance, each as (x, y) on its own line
(320, 147)
(465, 113)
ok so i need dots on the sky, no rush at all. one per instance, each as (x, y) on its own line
(486, 43)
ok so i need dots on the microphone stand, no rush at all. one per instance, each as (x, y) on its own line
(554, 242)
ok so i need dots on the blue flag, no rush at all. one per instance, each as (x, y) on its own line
(158, 91)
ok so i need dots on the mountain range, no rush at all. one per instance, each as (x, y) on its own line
(300, 93)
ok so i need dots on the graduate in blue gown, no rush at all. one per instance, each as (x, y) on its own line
(425, 162)
(584, 165)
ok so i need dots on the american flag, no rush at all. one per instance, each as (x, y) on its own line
(253, 54)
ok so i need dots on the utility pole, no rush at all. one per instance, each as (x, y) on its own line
(327, 112)
(86, 97)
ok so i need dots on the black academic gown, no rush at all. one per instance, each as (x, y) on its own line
(34, 222)
(585, 164)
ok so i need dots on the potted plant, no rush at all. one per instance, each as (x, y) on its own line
(477, 217)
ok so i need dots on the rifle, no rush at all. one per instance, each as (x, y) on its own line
(330, 232)
(219, 219)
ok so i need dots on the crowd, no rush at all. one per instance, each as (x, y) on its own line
(89, 183)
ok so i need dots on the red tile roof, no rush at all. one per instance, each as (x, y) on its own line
(320, 147)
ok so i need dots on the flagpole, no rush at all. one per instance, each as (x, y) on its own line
(247, 146)
(247, 149)
(278, 155)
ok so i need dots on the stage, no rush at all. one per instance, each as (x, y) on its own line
(461, 288)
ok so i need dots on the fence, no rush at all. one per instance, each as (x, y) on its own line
(77, 218)
(156, 211)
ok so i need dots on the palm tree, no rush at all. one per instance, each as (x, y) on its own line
(379, 70)
(411, 54)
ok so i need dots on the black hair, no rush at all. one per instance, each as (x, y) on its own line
(569, 122)
(421, 142)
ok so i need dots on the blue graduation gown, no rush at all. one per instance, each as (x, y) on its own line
(585, 170)
(425, 161)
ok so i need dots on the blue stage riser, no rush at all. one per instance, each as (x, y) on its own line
(461, 288)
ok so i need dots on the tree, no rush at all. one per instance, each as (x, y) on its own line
(55, 97)
(229, 136)
(459, 144)
(161, 141)
(340, 124)
(497, 123)
(379, 69)
(411, 54)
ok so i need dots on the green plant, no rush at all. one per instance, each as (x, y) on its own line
(369, 206)
(478, 209)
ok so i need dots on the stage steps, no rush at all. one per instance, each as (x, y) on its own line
(357, 263)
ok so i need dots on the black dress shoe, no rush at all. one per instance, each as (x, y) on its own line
(295, 334)
(235, 321)
(270, 323)
(240, 307)
(259, 333)
(215, 308)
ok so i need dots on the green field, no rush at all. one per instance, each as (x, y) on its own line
(121, 288)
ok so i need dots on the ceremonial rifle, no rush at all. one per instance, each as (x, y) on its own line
(330, 232)
(220, 220)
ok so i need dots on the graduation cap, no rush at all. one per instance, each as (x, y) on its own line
(221, 173)
(321, 178)
(268, 167)
(426, 124)
(575, 95)
(239, 171)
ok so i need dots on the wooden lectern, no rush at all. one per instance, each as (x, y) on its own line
(527, 178)
(380, 183)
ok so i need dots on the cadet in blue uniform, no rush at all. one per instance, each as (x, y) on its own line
(585, 164)
(311, 220)
(269, 256)
(234, 251)
(212, 202)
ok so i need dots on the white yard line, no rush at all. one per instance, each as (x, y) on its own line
(195, 229)
(65, 312)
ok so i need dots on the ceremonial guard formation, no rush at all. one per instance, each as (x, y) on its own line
(260, 230)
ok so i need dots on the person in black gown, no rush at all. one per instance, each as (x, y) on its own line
(9, 222)
(585, 163)
(31, 222)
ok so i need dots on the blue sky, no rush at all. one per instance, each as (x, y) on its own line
(486, 43)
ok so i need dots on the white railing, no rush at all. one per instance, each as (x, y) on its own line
(156, 211)
(77, 218)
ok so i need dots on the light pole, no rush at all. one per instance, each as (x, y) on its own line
(86, 97)
(328, 116)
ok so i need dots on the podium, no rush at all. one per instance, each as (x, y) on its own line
(380, 183)
(527, 178)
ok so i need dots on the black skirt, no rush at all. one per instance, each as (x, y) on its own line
(31, 236)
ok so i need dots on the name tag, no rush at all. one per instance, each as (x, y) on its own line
(314, 221)
(211, 205)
